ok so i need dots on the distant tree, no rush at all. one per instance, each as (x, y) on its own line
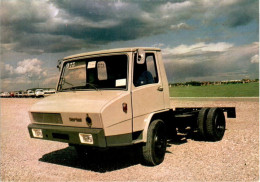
(194, 83)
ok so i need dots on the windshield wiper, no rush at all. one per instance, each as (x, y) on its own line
(67, 89)
(81, 87)
(64, 81)
(92, 85)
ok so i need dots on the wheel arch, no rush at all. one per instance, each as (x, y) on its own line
(162, 114)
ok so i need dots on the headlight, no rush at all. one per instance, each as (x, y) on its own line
(86, 138)
(37, 133)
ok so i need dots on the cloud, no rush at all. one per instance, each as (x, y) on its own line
(255, 59)
(30, 68)
(243, 13)
(181, 26)
(5, 70)
(232, 13)
(40, 43)
(158, 45)
(71, 25)
(214, 61)
(9, 69)
(168, 8)
(197, 49)
(26, 74)
(51, 80)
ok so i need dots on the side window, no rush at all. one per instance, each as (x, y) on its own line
(151, 66)
(146, 73)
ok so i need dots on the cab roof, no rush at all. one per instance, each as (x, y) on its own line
(107, 51)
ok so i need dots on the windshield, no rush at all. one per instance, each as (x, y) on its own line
(107, 72)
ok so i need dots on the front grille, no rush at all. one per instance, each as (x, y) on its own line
(60, 136)
(54, 118)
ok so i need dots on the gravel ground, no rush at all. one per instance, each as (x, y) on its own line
(235, 158)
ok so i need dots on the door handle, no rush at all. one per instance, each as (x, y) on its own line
(160, 88)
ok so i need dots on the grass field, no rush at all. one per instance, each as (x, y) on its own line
(230, 90)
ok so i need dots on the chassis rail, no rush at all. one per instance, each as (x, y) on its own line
(231, 111)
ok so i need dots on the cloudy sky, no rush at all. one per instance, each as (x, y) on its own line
(202, 40)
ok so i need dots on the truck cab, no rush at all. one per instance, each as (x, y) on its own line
(109, 98)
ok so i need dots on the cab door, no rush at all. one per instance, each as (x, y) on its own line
(147, 90)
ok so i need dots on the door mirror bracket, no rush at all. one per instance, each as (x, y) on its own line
(140, 56)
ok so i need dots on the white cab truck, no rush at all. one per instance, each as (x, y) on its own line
(119, 97)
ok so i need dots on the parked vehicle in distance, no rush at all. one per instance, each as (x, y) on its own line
(48, 92)
(24, 94)
(6, 94)
(16, 94)
(20, 94)
(2, 94)
(120, 97)
(30, 93)
(39, 93)
(11, 94)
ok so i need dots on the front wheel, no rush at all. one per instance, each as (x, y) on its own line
(155, 147)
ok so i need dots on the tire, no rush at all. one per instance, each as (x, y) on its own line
(154, 149)
(215, 124)
(201, 122)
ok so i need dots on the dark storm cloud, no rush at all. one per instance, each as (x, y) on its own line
(40, 43)
(94, 10)
(57, 26)
(98, 9)
(229, 63)
(243, 13)
(103, 35)
(179, 72)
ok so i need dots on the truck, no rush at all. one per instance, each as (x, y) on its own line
(119, 97)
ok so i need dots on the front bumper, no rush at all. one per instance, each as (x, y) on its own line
(69, 134)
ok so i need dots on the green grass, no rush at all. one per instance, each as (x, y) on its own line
(230, 90)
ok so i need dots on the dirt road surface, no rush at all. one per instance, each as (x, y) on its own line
(235, 158)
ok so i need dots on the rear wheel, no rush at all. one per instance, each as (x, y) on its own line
(215, 124)
(201, 122)
(155, 147)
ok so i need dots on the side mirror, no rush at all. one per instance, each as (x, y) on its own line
(140, 56)
(59, 64)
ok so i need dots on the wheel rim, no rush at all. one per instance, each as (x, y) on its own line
(220, 125)
(159, 142)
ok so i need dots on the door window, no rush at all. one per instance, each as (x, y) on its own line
(146, 73)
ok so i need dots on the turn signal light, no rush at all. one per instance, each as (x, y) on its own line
(124, 105)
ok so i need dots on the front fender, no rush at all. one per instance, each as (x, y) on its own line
(148, 121)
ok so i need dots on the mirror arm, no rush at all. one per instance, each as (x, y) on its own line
(59, 64)
(140, 56)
